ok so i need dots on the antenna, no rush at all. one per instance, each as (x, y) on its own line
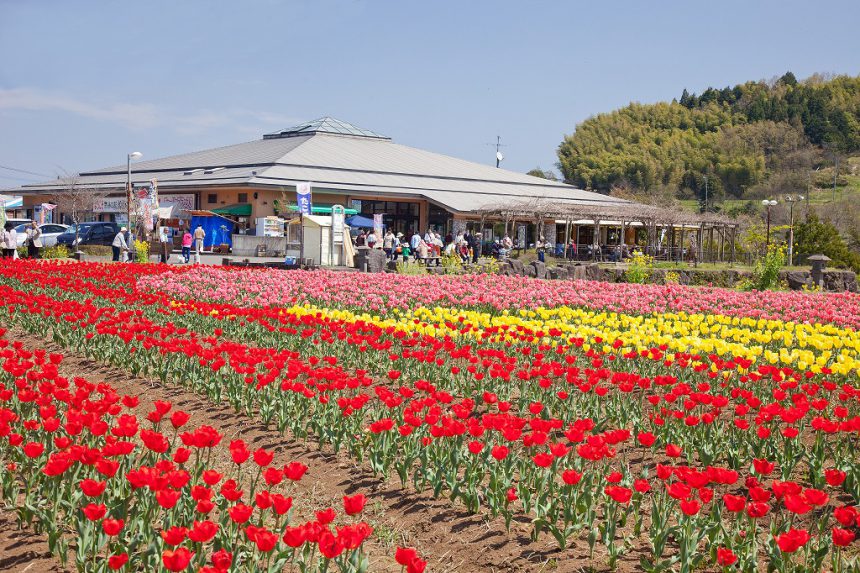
(499, 156)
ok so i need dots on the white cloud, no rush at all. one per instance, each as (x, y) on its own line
(144, 116)
(132, 116)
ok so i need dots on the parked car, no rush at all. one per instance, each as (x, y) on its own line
(50, 232)
(93, 233)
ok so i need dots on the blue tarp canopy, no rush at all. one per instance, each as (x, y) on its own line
(219, 230)
(357, 221)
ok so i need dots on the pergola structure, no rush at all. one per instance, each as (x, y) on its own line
(671, 233)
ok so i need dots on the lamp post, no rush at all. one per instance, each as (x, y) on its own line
(768, 203)
(791, 200)
(132, 155)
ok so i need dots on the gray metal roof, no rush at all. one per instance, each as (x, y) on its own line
(365, 164)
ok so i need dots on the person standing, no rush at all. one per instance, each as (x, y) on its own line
(9, 241)
(186, 246)
(477, 246)
(119, 246)
(541, 249)
(34, 241)
(372, 239)
(388, 243)
(199, 235)
(164, 243)
(414, 241)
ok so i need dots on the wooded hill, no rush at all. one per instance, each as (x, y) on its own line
(745, 142)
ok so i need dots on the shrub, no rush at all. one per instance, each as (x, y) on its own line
(410, 268)
(672, 278)
(96, 250)
(55, 252)
(141, 251)
(639, 269)
(766, 270)
(452, 264)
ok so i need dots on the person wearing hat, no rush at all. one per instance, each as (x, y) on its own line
(119, 245)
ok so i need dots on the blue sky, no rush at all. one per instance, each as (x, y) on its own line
(82, 83)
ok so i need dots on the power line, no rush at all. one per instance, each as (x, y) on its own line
(25, 171)
(28, 180)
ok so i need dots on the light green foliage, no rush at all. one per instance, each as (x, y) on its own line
(410, 268)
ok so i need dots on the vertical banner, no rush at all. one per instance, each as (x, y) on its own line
(377, 227)
(153, 193)
(303, 198)
(2, 213)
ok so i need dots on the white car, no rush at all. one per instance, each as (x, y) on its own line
(50, 232)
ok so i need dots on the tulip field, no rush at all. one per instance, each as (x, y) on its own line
(625, 427)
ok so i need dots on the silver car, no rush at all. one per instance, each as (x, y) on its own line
(50, 232)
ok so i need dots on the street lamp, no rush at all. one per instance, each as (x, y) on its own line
(768, 203)
(791, 200)
(132, 155)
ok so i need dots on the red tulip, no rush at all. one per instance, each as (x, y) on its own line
(834, 477)
(112, 527)
(34, 449)
(176, 560)
(117, 561)
(92, 488)
(792, 540)
(726, 557)
(95, 512)
(354, 504)
(405, 555)
(842, 537)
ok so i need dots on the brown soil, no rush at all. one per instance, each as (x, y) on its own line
(24, 550)
(446, 534)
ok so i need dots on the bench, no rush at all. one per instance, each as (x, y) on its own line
(437, 261)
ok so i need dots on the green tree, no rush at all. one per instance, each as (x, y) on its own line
(815, 236)
(538, 172)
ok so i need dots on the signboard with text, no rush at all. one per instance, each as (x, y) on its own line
(303, 198)
(180, 203)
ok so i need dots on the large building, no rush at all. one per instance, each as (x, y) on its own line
(347, 165)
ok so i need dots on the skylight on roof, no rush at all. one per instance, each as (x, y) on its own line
(327, 125)
(193, 171)
(212, 170)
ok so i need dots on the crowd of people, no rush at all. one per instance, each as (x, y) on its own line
(123, 244)
(466, 245)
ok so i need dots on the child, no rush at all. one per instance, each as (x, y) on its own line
(406, 250)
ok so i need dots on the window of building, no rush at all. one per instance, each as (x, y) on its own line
(243, 198)
(212, 198)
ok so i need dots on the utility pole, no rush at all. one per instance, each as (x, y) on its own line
(768, 203)
(791, 200)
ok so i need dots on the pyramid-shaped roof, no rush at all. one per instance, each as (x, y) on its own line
(324, 125)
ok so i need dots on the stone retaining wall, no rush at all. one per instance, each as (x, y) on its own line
(835, 280)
